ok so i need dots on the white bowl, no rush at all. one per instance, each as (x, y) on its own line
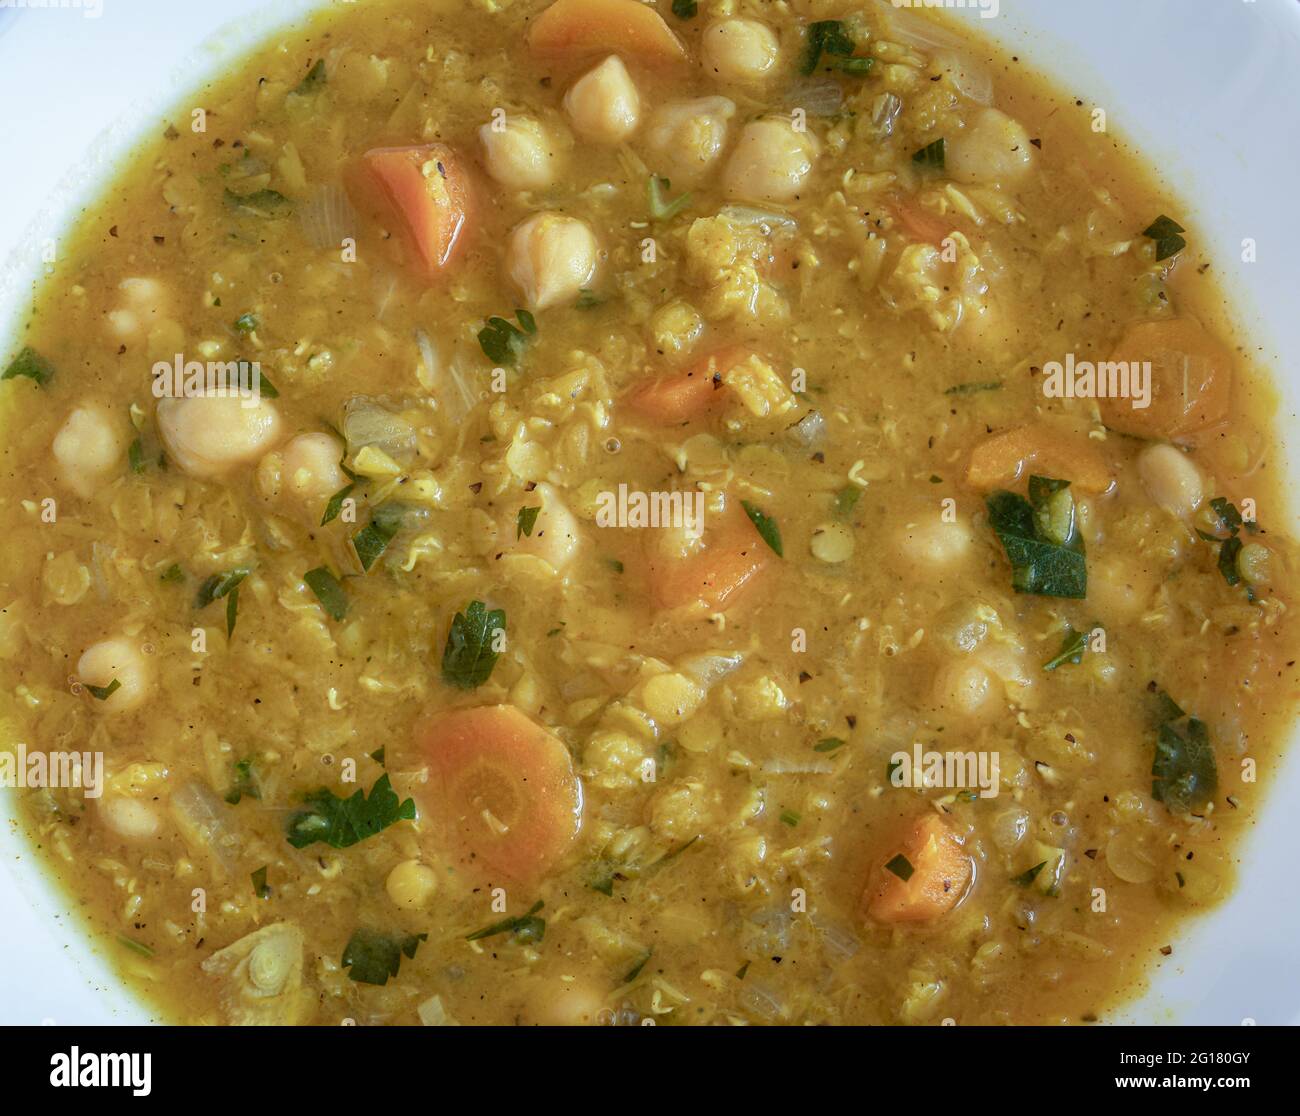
(1207, 92)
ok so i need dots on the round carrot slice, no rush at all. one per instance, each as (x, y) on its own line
(502, 788)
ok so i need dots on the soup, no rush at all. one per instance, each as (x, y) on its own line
(603, 512)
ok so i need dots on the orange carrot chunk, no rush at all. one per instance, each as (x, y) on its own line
(937, 869)
(502, 788)
(683, 396)
(573, 29)
(731, 560)
(427, 191)
(1000, 460)
(1191, 380)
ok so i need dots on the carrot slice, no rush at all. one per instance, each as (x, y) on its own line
(1001, 459)
(427, 189)
(940, 874)
(503, 788)
(919, 223)
(1191, 380)
(573, 29)
(683, 396)
(732, 559)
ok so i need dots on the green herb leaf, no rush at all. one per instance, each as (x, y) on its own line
(1028, 877)
(901, 867)
(1165, 232)
(790, 818)
(173, 574)
(525, 521)
(134, 946)
(1038, 565)
(1184, 775)
(846, 499)
(378, 756)
(635, 970)
(826, 36)
(259, 883)
(661, 209)
(503, 342)
(328, 590)
(373, 539)
(685, 9)
(343, 822)
(829, 744)
(1073, 645)
(372, 957)
(232, 611)
(766, 526)
(314, 80)
(526, 927)
(587, 299)
(135, 456)
(1164, 708)
(218, 586)
(469, 656)
(932, 155)
(335, 505)
(1228, 551)
(974, 387)
(245, 323)
(262, 203)
(31, 364)
(243, 783)
(103, 693)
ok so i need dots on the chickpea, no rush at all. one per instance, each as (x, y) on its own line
(604, 104)
(565, 1003)
(411, 885)
(552, 257)
(995, 148)
(88, 448)
(771, 162)
(671, 698)
(934, 544)
(965, 688)
(555, 535)
(1253, 562)
(687, 138)
(522, 155)
(740, 50)
(121, 660)
(1171, 479)
(130, 818)
(208, 435)
(144, 305)
(310, 467)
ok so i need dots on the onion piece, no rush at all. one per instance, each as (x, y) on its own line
(712, 666)
(816, 96)
(206, 823)
(901, 26)
(969, 78)
(366, 423)
(839, 941)
(327, 217)
(433, 1014)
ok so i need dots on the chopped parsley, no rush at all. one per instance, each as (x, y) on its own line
(685, 9)
(525, 521)
(766, 526)
(1073, 646)
(661, 209)
(335, 505)
(974, 387)
(1166, 232)
(635, 970)
(373, 539)
(103, 693)
(314, 80)
(135, 456)
(343, 822)
(1041, 539)
(828, 744)
(526, 927)
(1029, 876)
(329, 591)
(260, 203)
(245, 323)
(31, 364)
(1184, 775)
(470, 654)
(372, 957)
(260, 888)
(827, 36)
(901, 867)
(243, 783)
(932, 156)
(503, 342)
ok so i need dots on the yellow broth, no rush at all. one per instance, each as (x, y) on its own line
(735, 762)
